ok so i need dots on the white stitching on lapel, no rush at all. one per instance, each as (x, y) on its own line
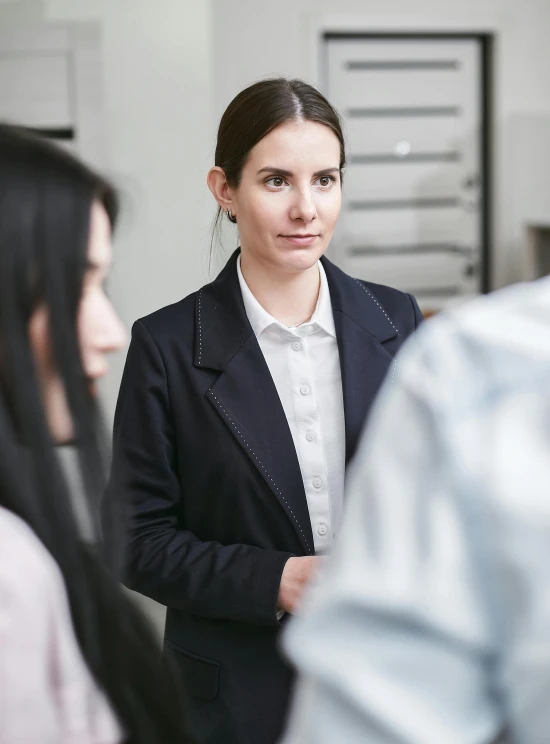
(263, 468)
(373, 298)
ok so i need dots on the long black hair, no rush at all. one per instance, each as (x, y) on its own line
(46, 196)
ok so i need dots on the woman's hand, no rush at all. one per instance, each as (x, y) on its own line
(297, 574)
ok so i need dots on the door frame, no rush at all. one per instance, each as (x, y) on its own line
(485, 30)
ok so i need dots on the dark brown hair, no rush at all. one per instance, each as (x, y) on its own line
(258, 110)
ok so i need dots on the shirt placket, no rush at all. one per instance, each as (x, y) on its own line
(309, 440)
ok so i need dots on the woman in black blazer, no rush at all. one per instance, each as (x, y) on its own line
(239, 408)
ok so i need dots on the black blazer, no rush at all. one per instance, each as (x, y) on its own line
(207, 481)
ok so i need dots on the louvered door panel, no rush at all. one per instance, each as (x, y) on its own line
(411, 213)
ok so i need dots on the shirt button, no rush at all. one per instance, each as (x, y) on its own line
(305, 389)
(317, 483)
(322, 529)
(310, 436)
(296, 345)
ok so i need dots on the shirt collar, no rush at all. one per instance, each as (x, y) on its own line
(260, 319)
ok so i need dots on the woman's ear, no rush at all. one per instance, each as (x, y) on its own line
(221, 191)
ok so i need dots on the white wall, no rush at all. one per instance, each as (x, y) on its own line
(157, 66)
(157, 80)
(254, 39)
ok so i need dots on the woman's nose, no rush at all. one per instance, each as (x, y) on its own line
(304, 207)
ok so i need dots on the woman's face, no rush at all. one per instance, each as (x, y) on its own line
(99, 328)
(289, 197)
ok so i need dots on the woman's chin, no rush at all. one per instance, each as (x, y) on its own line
(64, 439)
(300, 259)
(61, 428)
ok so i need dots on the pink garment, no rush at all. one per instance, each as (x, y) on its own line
(47, 694)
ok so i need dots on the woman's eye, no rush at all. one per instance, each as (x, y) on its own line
(276, 181)
(326, 180)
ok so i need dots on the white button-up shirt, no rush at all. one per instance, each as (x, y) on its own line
(305, 366)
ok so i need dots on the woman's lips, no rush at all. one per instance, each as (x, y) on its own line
(300, 240)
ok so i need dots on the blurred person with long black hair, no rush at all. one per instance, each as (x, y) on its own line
(78, 663)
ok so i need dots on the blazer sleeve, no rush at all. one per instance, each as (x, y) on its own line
(144, 539)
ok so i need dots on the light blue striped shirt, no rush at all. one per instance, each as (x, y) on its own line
(431, 624)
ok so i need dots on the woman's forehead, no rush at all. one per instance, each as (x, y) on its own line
(297, 144)
(99, 244)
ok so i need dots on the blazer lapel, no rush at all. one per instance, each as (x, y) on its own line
(245, 395)
(363, 330)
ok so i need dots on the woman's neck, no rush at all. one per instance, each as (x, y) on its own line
(289, 297)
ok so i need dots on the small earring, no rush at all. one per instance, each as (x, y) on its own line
(230, 216)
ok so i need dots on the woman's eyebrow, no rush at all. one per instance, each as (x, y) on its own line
(283, 172)
(273, 169)
(326, 172)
